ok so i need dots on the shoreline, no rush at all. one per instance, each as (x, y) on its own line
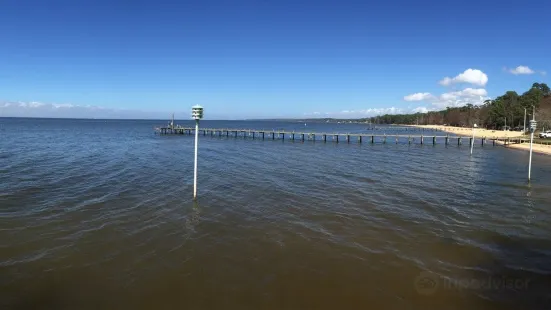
(480, 133)
(536, 148)
(468, 132)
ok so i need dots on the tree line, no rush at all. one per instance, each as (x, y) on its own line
(505, 111)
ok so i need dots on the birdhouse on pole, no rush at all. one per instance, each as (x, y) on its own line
(533, 125)
(197, 112)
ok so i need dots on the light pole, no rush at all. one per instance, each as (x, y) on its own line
(196, 114)
(533, 125)
(472, 141)
(524, 131)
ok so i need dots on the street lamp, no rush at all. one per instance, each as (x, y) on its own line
(196, 114)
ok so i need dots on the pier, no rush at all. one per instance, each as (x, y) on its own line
(283, 135)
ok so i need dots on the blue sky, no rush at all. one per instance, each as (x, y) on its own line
(264, 59)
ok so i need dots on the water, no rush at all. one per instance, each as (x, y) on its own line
(98, 214)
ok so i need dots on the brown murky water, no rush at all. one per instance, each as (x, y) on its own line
(97, 214)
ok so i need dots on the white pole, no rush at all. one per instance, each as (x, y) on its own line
(195, 165)
(524, 131)
(530, 160)
(531, 142)
(472, 142)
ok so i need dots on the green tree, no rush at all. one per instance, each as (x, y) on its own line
(543, 87)
(513, 110)
(532, 98)
(498, 112)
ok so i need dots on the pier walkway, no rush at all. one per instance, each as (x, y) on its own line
(324, 136)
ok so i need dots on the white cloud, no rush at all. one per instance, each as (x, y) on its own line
(474, 92)
(380, 111)
(39, 109)
(543, 72)
(470, 76)
(474, 96)
(27, 104)
(521, 70)
(466, 93)
(420, 110)
(57, 106)
(359, 113)
(446, 81)
(418, 97)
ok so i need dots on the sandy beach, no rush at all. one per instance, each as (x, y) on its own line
(537, 148)
(479, 133)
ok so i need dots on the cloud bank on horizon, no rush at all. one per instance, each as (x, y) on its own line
(469, 95)
(456, 98)
(53, 110)
(473, 81)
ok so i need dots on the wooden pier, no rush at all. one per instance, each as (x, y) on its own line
(323, 136)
